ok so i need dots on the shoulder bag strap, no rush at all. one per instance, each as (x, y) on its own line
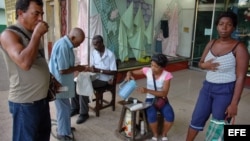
(25, 35)
(154, 81)
(19, 30)
(155, 84)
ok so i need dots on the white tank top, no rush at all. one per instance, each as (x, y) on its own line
(31, 85)
(226, 69)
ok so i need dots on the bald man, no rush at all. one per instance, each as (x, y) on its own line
(61, 65)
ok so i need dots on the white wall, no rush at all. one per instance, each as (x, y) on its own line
(185, 32)
(186, 22)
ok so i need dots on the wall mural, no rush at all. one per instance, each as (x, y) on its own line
(110, 18)
(146, 8)
(127, 41)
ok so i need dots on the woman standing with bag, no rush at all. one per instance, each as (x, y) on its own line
(226, 62)
(158, 83)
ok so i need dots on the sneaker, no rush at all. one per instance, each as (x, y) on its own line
(154, 139)
(164, 139)
(64, 138)
(74, 112)
(82, 119)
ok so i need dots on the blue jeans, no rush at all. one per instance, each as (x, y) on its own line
(63, 116)
(31, 121)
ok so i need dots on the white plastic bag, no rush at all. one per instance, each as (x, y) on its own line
(84, 84)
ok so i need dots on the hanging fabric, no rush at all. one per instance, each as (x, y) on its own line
(164, 28)
(149, 32)
(82, 51)
(125, 31)
(170, 44)
(137, 41)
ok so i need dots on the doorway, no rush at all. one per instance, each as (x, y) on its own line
(206, 12)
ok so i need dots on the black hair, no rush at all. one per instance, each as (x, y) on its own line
(160, 59)
(24, 5)
(98, 38)
(230, 15)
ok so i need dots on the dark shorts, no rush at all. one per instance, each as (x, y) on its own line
(213, 99)
(167, 112)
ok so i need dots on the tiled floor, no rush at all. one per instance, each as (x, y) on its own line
(182, 95)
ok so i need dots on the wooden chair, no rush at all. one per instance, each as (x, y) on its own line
(100, 101)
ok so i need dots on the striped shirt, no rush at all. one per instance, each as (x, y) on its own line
(225, 72)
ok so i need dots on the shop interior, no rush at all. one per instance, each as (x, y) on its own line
(136, 29)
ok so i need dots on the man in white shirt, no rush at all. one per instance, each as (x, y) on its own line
(103, 62)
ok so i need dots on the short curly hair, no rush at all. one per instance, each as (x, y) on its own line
(228, 14)
(98, 38)
(160, 59)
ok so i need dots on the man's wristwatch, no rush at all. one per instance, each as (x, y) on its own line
(101, 71)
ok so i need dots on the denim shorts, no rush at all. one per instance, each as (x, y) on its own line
(213, 99)
(167, 112)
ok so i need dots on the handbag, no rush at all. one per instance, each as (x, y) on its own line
(215, 131)
(159, 102)
(51, 95)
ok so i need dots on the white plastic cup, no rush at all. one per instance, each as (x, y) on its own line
(134, 101)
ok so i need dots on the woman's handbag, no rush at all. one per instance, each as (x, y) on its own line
(215, 131)
(159, 102)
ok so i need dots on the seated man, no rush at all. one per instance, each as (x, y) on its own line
(102, 61)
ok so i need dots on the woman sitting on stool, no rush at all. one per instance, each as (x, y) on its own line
(159, 89)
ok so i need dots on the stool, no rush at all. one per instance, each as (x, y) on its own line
(134, 124)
